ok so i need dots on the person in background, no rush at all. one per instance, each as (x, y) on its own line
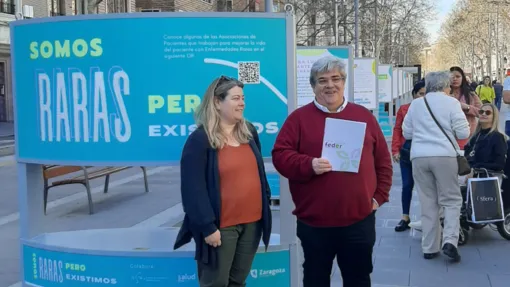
(486, 91)
(434, 160)
(498, 90)
(504, 124)
(504, 115)
(473, 85)
(335, 210)
(469, 81)
(225, 194)
(487, 146)
(400, 149)
(469, 101)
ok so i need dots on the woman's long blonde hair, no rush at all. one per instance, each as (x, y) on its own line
(208, 116)
(495, 122)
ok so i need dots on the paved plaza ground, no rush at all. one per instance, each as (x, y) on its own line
(398, 259)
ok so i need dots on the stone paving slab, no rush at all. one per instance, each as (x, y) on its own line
(6, 129)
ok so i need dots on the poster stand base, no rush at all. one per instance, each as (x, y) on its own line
(132, 257)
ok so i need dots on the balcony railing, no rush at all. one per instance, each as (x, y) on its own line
(7, 7)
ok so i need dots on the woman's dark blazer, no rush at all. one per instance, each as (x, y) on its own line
(200, 191)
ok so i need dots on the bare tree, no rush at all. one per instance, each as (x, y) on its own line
(474, 35)
(397, 30)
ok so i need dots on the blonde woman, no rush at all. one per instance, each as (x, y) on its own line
(224, 189)
(487, 146)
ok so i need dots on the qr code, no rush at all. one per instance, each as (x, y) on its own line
(249, 72)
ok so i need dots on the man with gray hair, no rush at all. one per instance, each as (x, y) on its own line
(433, 123)
(335, 210)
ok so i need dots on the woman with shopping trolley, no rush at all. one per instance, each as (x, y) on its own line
(486, 153)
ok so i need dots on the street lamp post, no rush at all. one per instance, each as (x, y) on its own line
(269, 5)
(375, 30)
(356, 24)
(335, 26)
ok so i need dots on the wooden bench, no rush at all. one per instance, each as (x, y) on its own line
(52, 171)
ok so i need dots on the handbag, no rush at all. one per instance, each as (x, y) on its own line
(462, 163)
(484, 200)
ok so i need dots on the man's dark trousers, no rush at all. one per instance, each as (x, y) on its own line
(351, 245)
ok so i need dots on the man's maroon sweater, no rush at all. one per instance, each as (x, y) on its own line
(333, 198)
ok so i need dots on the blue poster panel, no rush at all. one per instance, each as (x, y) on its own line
(120, 90)
(58, 269)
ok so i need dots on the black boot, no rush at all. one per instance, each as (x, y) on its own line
(430, 255)
(403, 225)
(451, 251)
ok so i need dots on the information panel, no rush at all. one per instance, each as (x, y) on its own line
(400, 82)
(395, 83)
(385, 73)
(305, 59)
(117, 89)
(365, 82)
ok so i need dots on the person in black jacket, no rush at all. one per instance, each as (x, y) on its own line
(487, 147)
(224, 189)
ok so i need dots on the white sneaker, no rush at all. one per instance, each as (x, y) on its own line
(415, 225)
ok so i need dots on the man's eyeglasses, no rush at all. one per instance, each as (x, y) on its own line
(335, 80)
(481, 112)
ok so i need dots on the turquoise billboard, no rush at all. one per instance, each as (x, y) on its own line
(56, 269)
(123, 89)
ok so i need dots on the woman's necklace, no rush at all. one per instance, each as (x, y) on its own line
(472, 153)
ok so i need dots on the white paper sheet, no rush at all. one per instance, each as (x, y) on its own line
(343, 144)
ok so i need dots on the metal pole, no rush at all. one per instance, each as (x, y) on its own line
(18, 9)
(497, 46)
(503, 70)
(344, 17)
(335, 25)
(269, 5)
(375, 31)
(356, 24)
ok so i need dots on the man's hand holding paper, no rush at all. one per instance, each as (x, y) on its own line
(321, 165)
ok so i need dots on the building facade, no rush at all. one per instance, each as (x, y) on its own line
(38, 9)
(201, 5)
(7, 11)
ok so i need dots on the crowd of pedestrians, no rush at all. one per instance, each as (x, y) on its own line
(225, 193)
(455, 119)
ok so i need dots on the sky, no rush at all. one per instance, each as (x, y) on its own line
(443, 8)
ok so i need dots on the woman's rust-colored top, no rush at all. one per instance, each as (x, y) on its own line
(241, 198)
